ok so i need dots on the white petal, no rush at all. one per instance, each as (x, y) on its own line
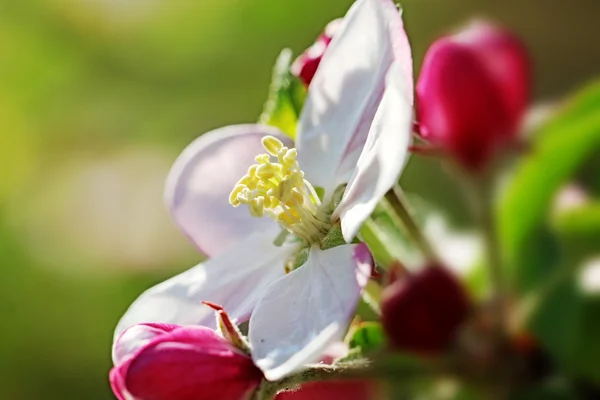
(346, 91)
(199, 184)
(303, 313)
(383, 156)
(132, 339)
(235, 280)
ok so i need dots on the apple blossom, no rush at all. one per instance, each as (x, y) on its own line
(291, 272)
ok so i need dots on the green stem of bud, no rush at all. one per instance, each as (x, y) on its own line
(397, 201)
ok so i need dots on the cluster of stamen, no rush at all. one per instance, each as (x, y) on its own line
(275, 186)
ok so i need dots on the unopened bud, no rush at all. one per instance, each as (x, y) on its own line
(421, 313)
(305, 66)
(472, 92)
(169, 362)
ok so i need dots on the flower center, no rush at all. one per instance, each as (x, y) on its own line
(275, 186)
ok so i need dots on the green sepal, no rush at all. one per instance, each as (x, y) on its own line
(333, 238)
(286, 97)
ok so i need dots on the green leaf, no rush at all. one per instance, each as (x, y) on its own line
(286, 97)
(368, 336)
(580, 227)
(568, 326)
(545, 251)
(560, 147)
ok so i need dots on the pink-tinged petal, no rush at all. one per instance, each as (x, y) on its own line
(234, 279)
(347, 89)
(136, 337)
(186, 363)
(199, 184)
(301, 314)
(383, 157)
(117, 385)
(333, 390)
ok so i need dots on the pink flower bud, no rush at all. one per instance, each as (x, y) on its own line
(305, 66)
(168, 362)
(333, 390)
(472, 92)
(422, 312)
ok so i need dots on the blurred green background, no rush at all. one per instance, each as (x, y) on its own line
(97, 97)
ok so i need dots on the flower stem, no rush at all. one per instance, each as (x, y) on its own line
(480, 190)
(488, 225)
(346, 370)
(377, 240)
(398, 203)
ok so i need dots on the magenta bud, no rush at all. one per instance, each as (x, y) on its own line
(421, 313)
(168, 362)
(472, 92)
(305, 66)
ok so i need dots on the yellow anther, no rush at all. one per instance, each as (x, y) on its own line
(233, 197)
(242, 198)
(265, 185)
(289, 158)
(257, 206)
(275, 186)
(262, 158)
(246, 180)
(272, 145)
(296, 178)
(245, 197)
(266, 171)
(252, 171)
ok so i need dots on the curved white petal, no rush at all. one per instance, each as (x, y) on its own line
(347, 90)
(301, 314)
(200, 181)
(134, 338)
(235, 280)
(383, 156)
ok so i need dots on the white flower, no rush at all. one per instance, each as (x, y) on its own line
(354, 129)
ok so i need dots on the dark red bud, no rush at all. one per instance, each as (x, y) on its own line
(421, 313)
(305, 66)
(472, 92)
